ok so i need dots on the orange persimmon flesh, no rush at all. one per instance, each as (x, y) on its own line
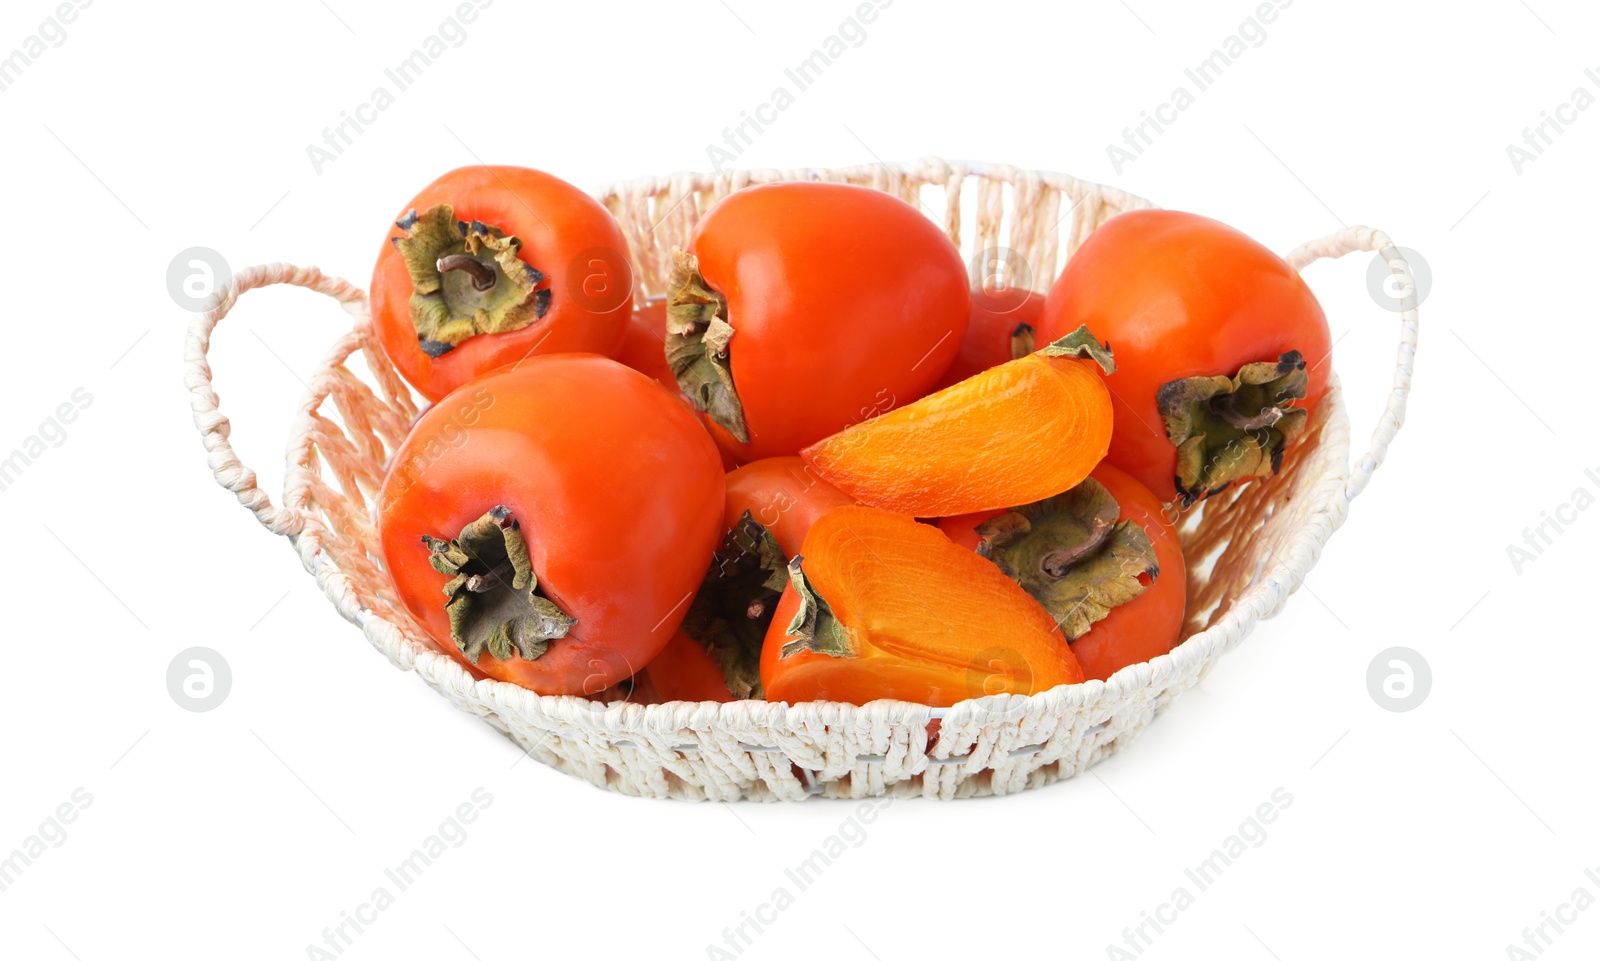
(1013, 434)
(916, 618)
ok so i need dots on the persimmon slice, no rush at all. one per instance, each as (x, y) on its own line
(1013, 434)
(881, 606)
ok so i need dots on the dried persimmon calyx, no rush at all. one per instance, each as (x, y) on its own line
(1072, 554)
(494, 601)
(814, 628)
(466, 279)
(735, 604)
(1230, 428)
(698, 334)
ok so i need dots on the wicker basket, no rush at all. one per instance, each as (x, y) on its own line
(1247, 549)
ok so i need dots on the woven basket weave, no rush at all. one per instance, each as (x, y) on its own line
(1247, 549)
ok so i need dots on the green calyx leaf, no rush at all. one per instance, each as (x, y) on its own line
(466, 279)
(1081, 344)
(813, 627)
(1072, 554)
(698, 334)
(494, 604)
(730, 614)
(1229, 428)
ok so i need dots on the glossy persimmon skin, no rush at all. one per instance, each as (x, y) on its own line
(561, 229)
(845, 302)
(994, 317)
(782, 495)
(1144, 627)
(683, 671)
(1179, 295)
(933, 622)
(1012, 434)
(617, 491)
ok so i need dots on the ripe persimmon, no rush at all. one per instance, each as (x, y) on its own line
(1012, 434)
(881, 606)
(548, 523)
(492, 264)
(801, 308)
(1103, 559)
(1222, 350)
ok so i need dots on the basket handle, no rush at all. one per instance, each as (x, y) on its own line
(1333, 246)
(214, 429)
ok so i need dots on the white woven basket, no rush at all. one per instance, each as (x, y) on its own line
(1247, 549)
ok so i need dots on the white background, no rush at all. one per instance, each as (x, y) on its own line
(244, 831)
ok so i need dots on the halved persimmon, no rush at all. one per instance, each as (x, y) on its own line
(881, 606)
(1013, 434)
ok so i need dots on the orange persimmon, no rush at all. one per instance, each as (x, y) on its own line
(881, 606)
(1013, 434)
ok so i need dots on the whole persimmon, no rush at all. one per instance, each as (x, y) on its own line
(548, 523)
(799, 309)
(491, 264)
(1222, 350)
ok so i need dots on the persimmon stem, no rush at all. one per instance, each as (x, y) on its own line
(483, 277)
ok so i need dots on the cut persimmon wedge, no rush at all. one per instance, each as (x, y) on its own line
(881, 606)
(1013, 434)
